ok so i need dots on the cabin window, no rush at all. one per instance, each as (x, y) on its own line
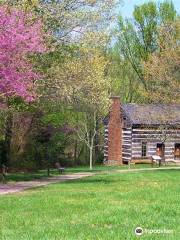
(177, 150)
(144, 149)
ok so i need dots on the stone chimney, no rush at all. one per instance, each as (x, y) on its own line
(115, 133)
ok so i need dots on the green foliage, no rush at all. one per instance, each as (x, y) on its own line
(124, 81)
(65, 115)
(167, 11)
(162, 69)
(138, 38)
(73, 27)
(79, 75)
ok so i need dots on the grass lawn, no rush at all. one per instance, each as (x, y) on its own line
(16, 177)
(25, 176)
(106, 206)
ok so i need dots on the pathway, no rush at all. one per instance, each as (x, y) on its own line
(146, 169)
(21, 186)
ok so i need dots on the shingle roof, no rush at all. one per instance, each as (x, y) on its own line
(152, 114)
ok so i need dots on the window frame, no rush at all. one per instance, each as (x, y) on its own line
(144, 149)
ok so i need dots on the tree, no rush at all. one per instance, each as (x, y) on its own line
(21, 36)
(138, 37)
(124, 81)
(83, 84)
(24, 4)
(162, 71)
(70, 24)
(68, 20)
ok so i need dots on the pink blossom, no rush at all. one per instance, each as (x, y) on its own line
(20, 36)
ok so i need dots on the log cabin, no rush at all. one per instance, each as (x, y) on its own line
(136, 132)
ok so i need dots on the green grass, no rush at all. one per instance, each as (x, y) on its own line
(28, 176)
(105, 206)
(21, 176)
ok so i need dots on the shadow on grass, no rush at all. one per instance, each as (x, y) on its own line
(124, 177)
(24, 177)
(94, 180)
(167, 170)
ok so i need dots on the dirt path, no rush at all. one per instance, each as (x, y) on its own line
(20, 186)
(145, 169)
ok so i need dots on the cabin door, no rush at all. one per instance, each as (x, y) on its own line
(160, 150)
(177, 151)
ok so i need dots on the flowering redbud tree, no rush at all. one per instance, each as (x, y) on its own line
(20, 36)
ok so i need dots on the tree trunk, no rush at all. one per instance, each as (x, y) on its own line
(97, 141)
(90, 157)
(47, 159)
(48, 171)
(21, 141)
(8, 137)
(86, 154)
(75, 151)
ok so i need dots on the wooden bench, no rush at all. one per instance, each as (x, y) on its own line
(59, 168)
(156, 159)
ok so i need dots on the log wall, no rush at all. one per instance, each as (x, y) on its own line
(132, 139)
(106, 144)
(152, 137)
(127, 144)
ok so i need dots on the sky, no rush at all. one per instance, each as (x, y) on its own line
(128, 6)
